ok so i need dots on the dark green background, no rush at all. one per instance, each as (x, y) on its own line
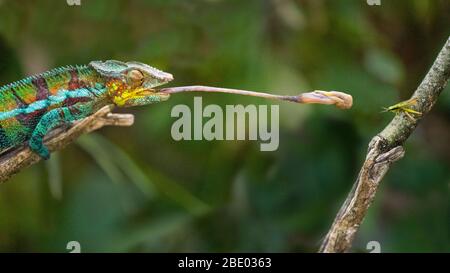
(136, 189)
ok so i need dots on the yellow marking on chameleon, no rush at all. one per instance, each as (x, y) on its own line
(125, 95)
(118, 100)
(121, 94)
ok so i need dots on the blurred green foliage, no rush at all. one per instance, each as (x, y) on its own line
(136, 189)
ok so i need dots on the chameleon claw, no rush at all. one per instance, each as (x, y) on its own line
(45, 155)
(39, 149)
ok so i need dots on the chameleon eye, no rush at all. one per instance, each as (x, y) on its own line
(135, 75)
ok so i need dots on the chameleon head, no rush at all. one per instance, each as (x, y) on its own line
(132, 83)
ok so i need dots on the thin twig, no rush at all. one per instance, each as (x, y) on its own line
(384, 149)
(14, 161)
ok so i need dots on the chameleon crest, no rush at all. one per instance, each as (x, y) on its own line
(32, 107)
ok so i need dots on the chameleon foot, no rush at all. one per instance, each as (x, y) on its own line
(39, 148)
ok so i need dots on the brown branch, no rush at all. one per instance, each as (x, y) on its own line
(384, 149)
(14, 161)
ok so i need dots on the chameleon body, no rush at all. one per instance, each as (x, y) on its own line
(32, 107)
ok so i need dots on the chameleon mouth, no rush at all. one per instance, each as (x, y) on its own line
(149, 91)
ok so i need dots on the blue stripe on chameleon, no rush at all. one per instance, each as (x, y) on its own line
(50, 101)
(79, 93)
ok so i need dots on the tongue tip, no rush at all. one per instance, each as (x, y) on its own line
(340, 99)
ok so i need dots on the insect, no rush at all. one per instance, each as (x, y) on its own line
(404, 107)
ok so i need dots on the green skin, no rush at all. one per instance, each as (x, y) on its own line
(32, 107)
